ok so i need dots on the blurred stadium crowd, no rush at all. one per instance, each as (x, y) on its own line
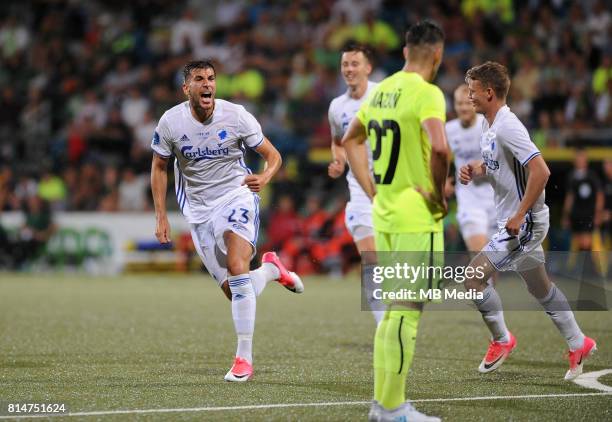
(82, 83)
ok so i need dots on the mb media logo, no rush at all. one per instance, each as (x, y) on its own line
(203, 154)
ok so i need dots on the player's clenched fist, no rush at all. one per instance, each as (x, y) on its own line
(471, 170)
(162, 230)
(255, 182)
(336, 169)
(465, 174)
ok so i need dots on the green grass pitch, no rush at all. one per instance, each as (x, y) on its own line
(157, 341)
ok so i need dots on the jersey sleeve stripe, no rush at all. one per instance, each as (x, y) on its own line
(535, 154)
(241, 159)
(517, 179)
(160, 154)
(179, 189)
(258, 143)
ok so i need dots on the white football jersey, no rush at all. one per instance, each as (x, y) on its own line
(342, 109)
(506, 150)
(465, 144)
(209, 168)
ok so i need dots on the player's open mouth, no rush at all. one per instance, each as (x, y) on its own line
(206, 99)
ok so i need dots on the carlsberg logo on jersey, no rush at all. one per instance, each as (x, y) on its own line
(203, 154)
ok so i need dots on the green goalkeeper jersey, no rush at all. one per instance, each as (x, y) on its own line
(401, 150)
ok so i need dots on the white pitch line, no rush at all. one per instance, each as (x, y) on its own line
(285, 405)
(589, 380)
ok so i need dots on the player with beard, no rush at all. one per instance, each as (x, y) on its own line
(217, 194)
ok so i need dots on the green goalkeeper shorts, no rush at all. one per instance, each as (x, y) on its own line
(417, 260)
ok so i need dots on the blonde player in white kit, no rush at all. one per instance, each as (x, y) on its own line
(355, 66)
(217, 194)
(475, 203)
(519, 175)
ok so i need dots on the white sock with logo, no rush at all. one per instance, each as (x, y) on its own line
(243, 313)
(490, 308)
(556, 306)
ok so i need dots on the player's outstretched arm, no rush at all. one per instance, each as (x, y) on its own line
(272, 157)
(159, 184)
(536, 182)
(357, 156)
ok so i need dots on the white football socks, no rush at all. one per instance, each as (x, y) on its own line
(243, 313)
(556, 306)
(490, 307)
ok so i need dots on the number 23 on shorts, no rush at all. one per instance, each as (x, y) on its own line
(239, 215)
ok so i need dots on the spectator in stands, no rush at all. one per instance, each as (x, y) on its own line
(91, 108)
(7, 195)
(9, 123)
(133, 191)
(283, 224)
(187, 33)
(14, 37)
(6, 250)
(602, 75)
(134, 107)
(110, 190)
(113, 143)
(377, 33)
(603, 107)
(141, 148)
(51, 188)
(35, 232)
(88, 189)
(36, 119)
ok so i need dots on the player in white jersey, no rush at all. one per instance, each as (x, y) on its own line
(519, 175)
(475, 205)
(217, 194)
(355, 66)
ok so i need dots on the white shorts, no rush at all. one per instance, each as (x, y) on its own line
(239, 215)
(476, 221)
(358, 220)
(519, 253)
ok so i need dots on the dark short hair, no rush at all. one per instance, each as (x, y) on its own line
(491, 75)
(197, 64)
(352, 46)
(424, 32)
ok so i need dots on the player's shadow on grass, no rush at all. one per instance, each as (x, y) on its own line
(219, 371)
(537, 364)
(560, 364)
